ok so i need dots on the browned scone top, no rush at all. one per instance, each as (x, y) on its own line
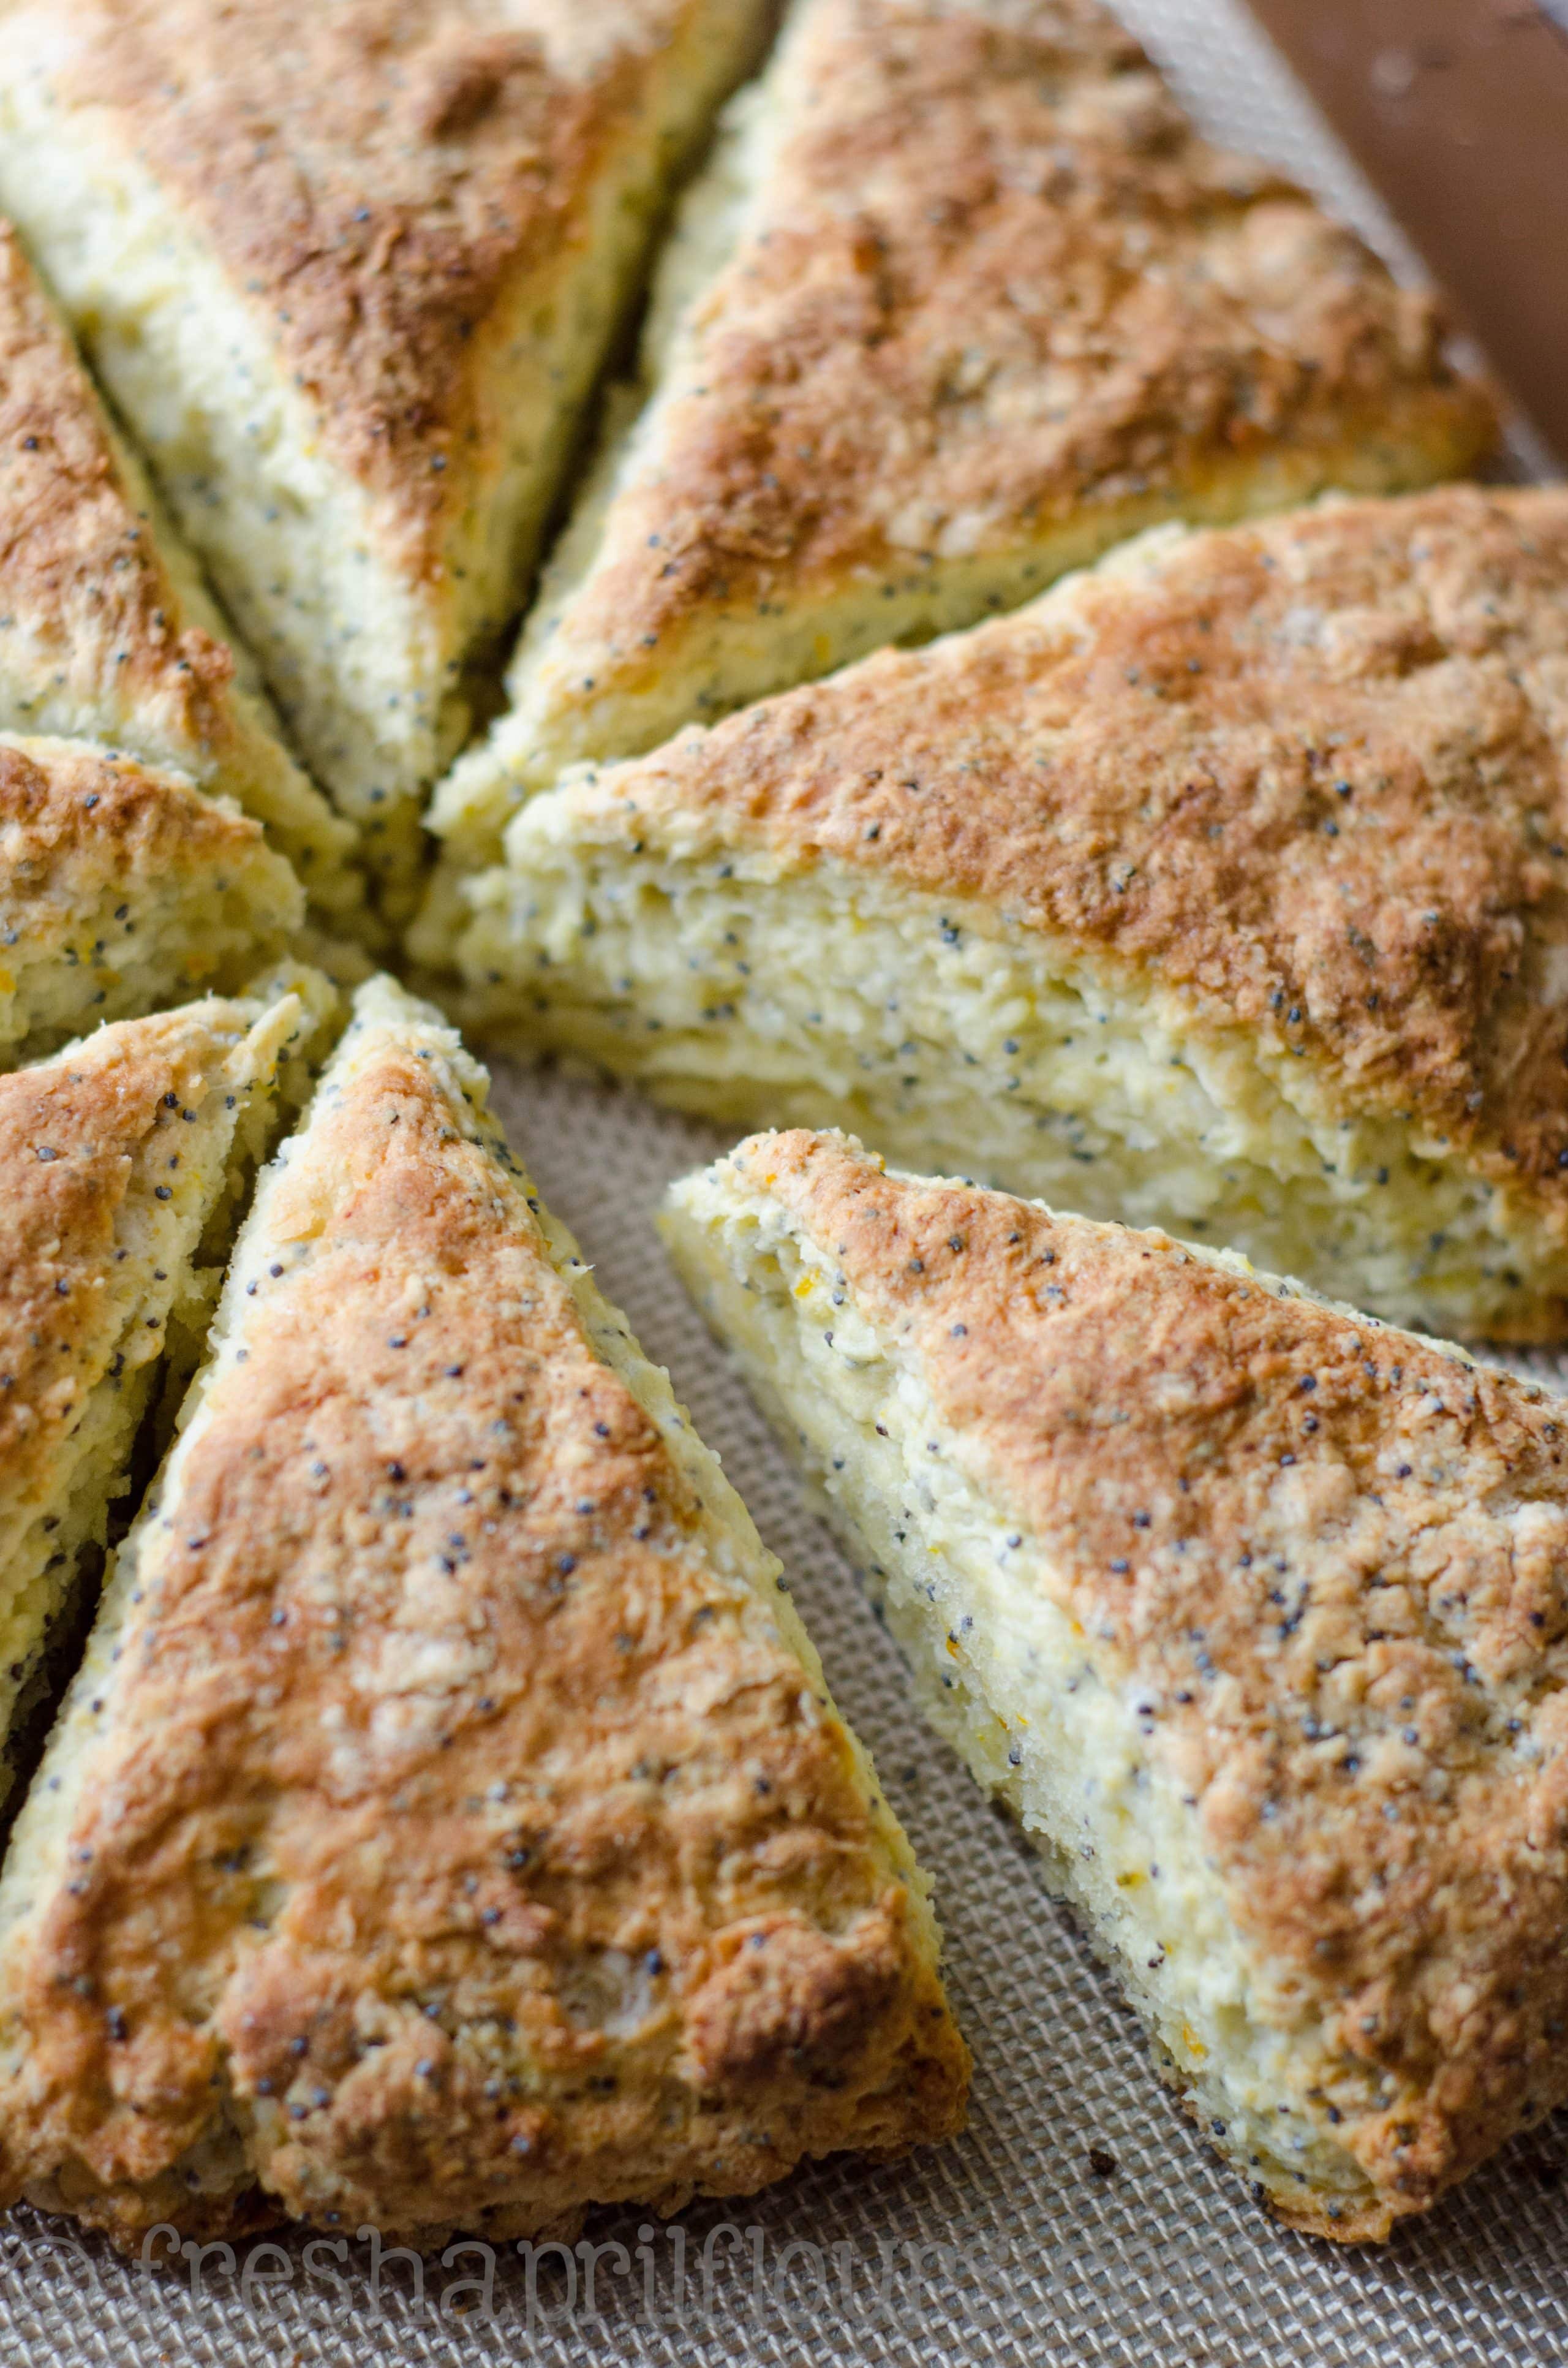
(458, 1840)
(77, 1138)
(1309, 778)
(374, 174)
(75, 823)
(994, 284)
(1333, 1558)
(67, 801)
(85, 599)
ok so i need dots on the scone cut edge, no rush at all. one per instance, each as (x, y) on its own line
(1223, 889)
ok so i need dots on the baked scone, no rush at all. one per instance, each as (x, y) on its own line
(355, 350)
(106, 631)
(1223, 889)
(122, 888)
(1254, 1610)
(121, 1162)
(449, 1820)
(962, 302)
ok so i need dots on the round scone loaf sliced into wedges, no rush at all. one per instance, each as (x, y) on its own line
(107, 632)
(122, 888)
(122, 1167)
(357, 352)
(1253, 1608)
(450, 1825)
(1225, 889)
(960, 301)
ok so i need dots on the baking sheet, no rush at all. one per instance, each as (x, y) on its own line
(1081, 2219)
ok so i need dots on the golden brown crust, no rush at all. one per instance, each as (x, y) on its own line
(436, 152)
(75, 823)
(71, 1133)
(1333, 1558)
(563, 1886)
(999, 283)
(82, 580)
(1309, 777)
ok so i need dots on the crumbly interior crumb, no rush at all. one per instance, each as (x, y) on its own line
(757, 991)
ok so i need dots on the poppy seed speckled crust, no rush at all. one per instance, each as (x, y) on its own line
(120, 1163)
(1225, 888)
(450, 1826)
(348, 271)
(122, 888)
(962, 301)
(1254, 1609)
(107, 632)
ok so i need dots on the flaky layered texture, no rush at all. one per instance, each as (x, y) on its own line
(449, 1825)
(107, 632)
(962, 301)
(122, 888)
(121, 1164)
(1224, 888)
(355, 356)
(1254, 1610)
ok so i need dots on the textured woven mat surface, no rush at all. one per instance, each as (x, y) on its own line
(1081, 2219)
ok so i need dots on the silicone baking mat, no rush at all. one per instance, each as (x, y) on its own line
(1081, 2219)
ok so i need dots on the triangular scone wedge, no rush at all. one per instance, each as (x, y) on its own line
(1223, 889)
(107, 632)
(349, 272)
(1256, 1610)
(122, 888)
(962, 302)
(449, 1825)
(122, 1162)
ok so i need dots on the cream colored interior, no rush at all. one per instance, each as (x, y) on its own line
(758, 989)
